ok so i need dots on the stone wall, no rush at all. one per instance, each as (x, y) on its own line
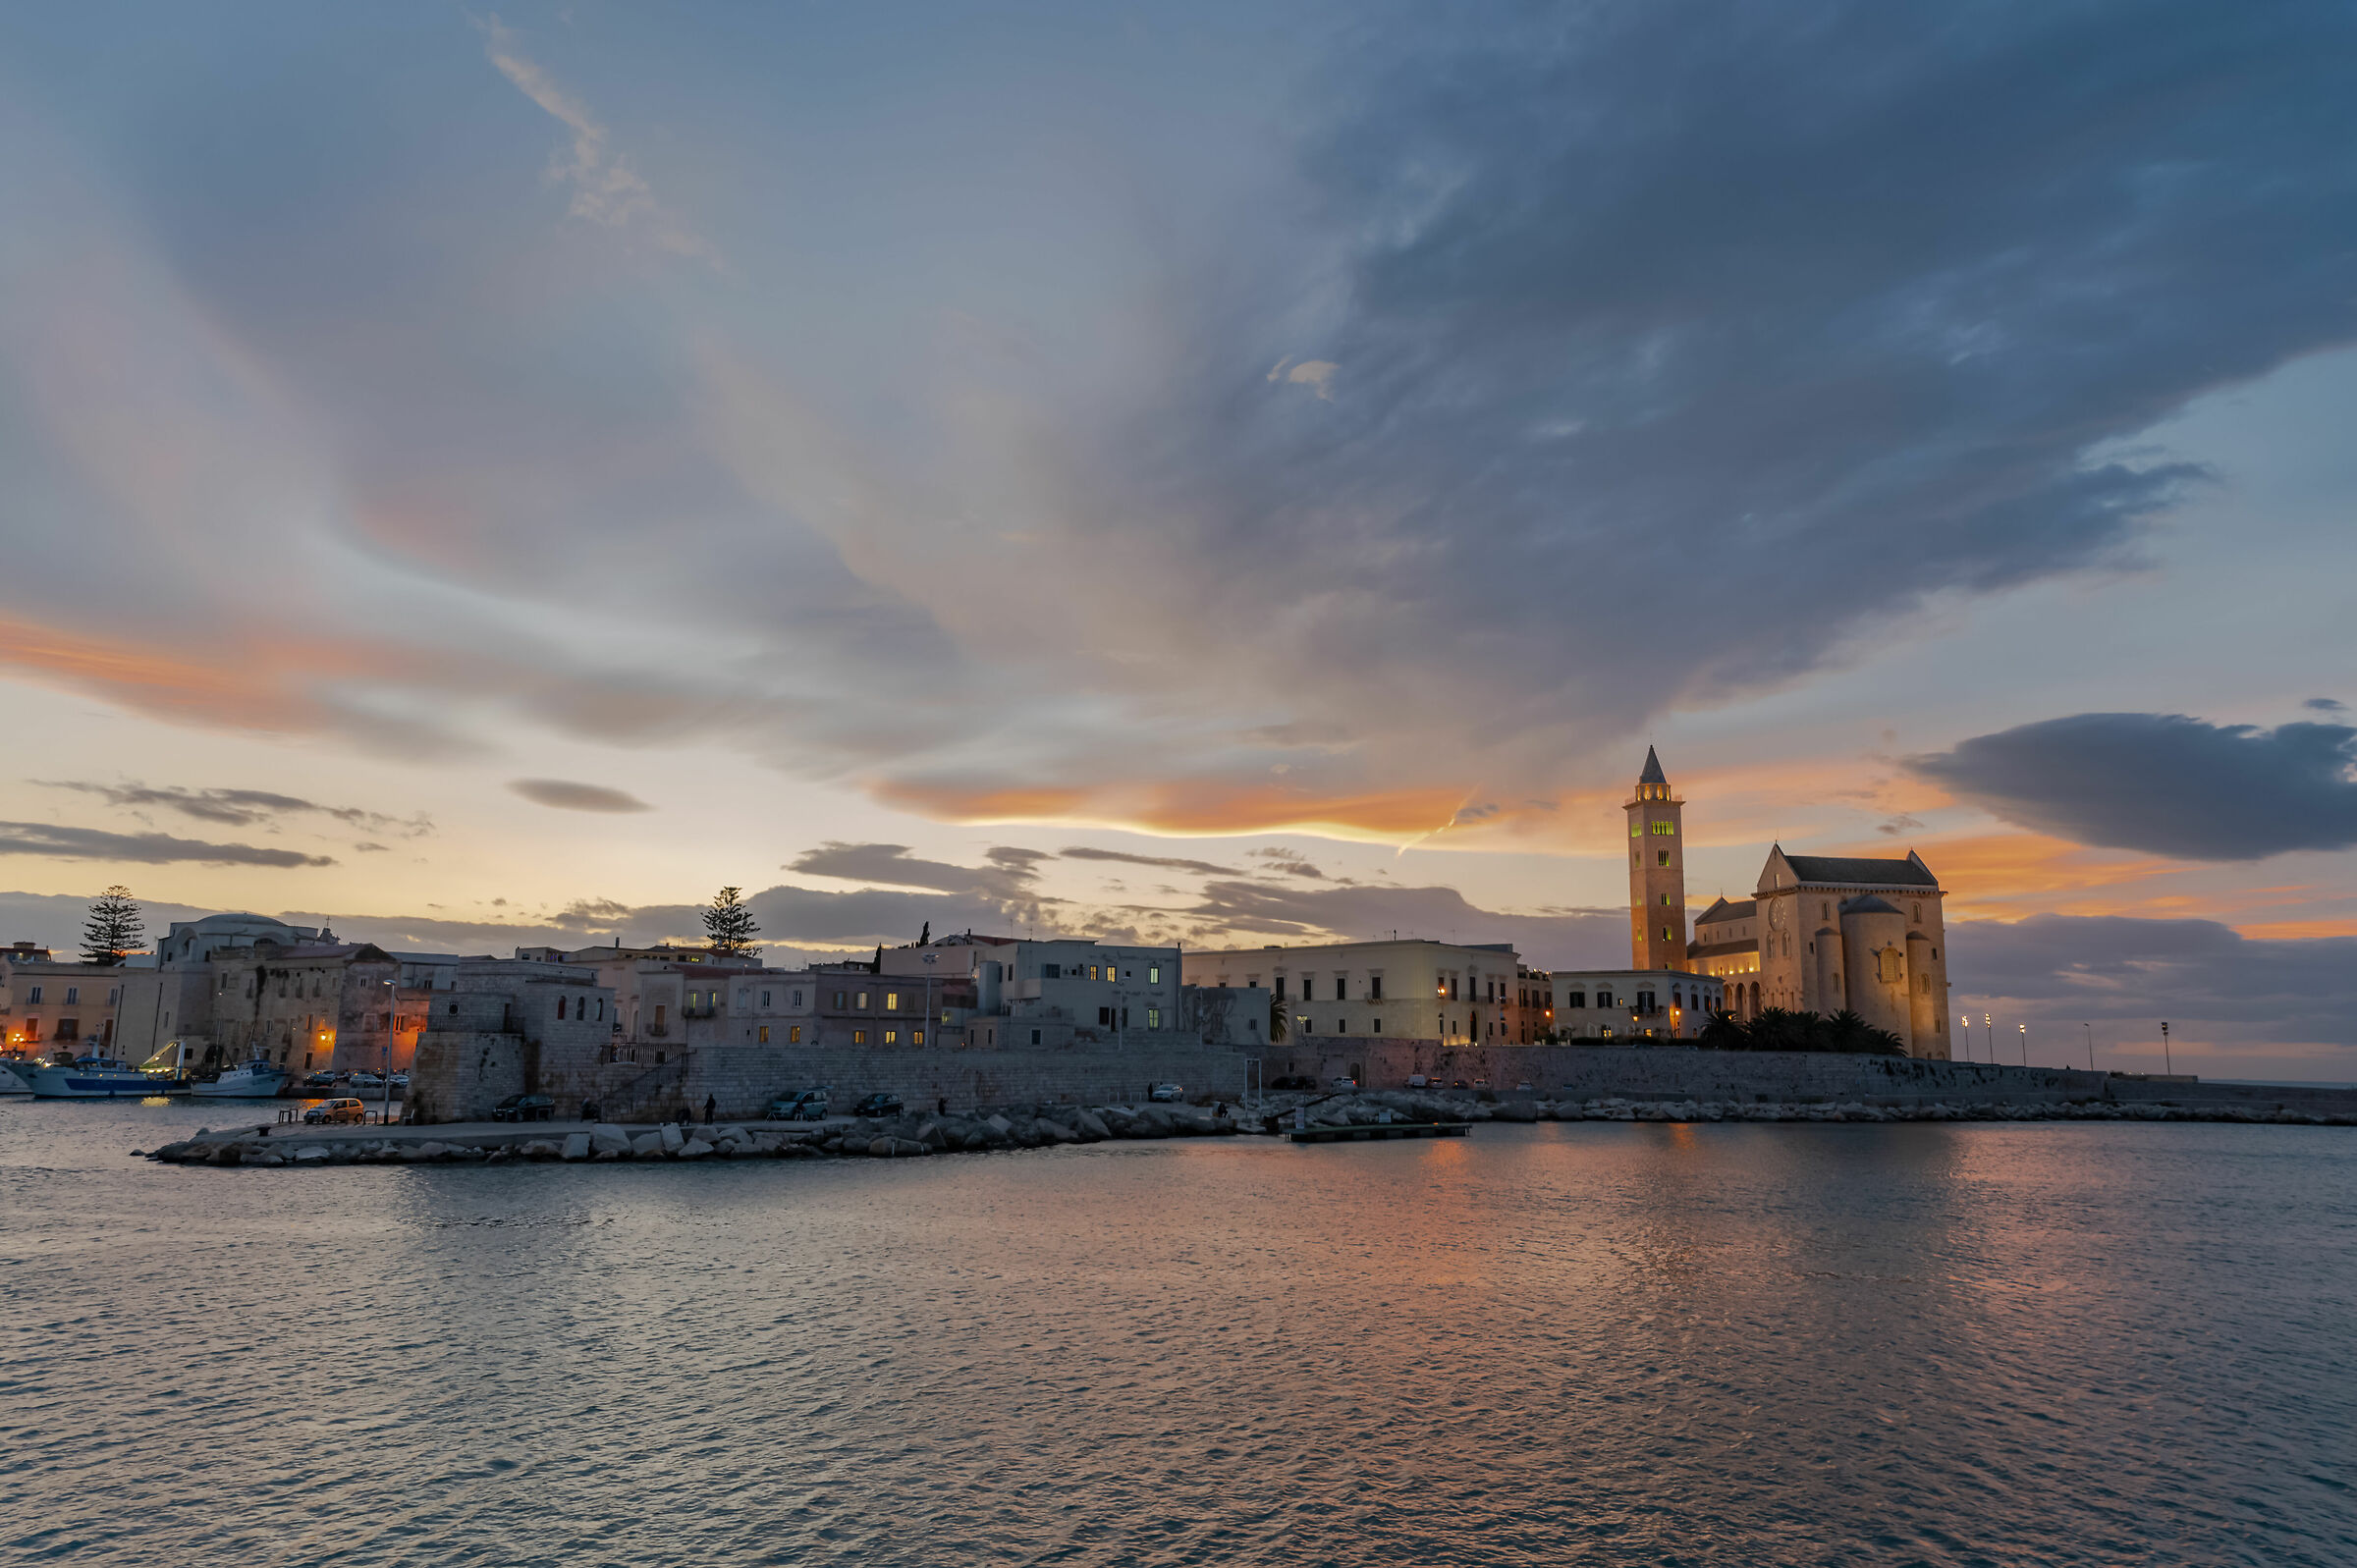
(456, 1073)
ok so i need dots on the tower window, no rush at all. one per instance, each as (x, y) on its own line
(1665, 830)
(1666, 934)
(1665, 900)
(1661, 857)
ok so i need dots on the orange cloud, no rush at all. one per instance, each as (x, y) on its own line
(2008, 875)
(2297, 930)
(166, 683)
(1203, 809)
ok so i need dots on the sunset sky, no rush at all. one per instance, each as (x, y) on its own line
(1214, 473)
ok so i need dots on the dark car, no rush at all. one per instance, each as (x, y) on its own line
(878, 1104)
(320, 1080)
(524, 1107)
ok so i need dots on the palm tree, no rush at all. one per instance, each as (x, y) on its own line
(1723, 1031)
(1280, 1020)
(1778, 1029)
(1848, 1032)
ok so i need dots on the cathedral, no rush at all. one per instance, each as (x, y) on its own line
(1819, 934)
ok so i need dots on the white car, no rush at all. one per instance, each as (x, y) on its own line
(1164, 1093)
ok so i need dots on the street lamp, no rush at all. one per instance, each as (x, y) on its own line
(2167, 1065)
(2090, 1028)
(384, 1110)
(2025, 1045)
(1966, 1021)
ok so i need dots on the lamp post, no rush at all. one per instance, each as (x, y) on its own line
(1988, 1024)
(384, 1110)
(2090, 1028)
(2167, 1065)
(1966, 1021)
(2025, 1045)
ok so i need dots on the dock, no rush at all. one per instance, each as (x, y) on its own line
(1380, 1130)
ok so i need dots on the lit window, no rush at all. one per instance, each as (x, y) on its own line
(891, 1037)
(794, 1036)
(917, 1039)
(1153, 1017)
(858, 1036)
(765, 1033)
(892, 1001)
(1661, 857)
(863, 1000)
(1154, 974)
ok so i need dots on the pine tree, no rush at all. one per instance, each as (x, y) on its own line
(729, 925)
(114, 931)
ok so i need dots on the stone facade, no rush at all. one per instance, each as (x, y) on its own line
(1625, 1003)
(1656, 872)
(46, 1007)
(1436, 990)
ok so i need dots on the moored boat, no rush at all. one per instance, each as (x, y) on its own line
(251, 1080)
(91, 1078)
(16, 1075)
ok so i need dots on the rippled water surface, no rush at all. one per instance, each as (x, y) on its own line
(1586, 1343)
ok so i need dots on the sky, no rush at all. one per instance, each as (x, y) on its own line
(1208, 473)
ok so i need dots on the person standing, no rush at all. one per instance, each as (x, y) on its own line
(711, 1105)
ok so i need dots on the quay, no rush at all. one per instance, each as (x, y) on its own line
(1380, 1131)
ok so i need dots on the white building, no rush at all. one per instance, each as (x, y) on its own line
(1413, 990)
(1632, 1003)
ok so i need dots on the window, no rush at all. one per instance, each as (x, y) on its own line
(1035, 1037)
(892, 1001)
(1104, 1017)
(891, 1037)
(73, 992)
(794, 1036)
(1378, 1029)
(1092, 971)
(863, 1001)
(797, 998)
(1280, 988)
(765, 1002)
(601, 1010)
(1154, 974)
(1635, 831)
(765, 1033)
(839, 995)
(1049, 971)
(858, 1036)
(35, 995)
(1603, 998)
(1665, 830)
(1309, 1026)
(1661, 857)
(1665, 900)
(1341, 985)
(1153, 1017)
(1919, 914)
(1665, 936)
(917, 1039)
(1576, 999)
(1375, 987)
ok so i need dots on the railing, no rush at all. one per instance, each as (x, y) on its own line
(640, 1091)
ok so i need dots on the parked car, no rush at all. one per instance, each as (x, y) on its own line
(333, 1111)
(808, 1106)
(878, 1104)
(1164, 1093)
(320, 1080)
(366, 1080)
(524, 1107)
(1523, 1089)
(1341, 1083)
(1416, 1080)
(1461, 1084)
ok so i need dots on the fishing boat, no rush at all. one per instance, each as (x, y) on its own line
(16, 1075)
(91, 1078)
(251, 1080)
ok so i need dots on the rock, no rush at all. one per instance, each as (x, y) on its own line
(607, 1139)
(171, 1151)
(540, 1149)
(933, 1135)
(1091, 1126)
(1056, 1132)
(310, 1152)
(500, 1155)
(692, 1149)
(674, 1140)
(647, 1145)
(575, 1145)
(261, 1159)
(1518, 1110)
(999, 1125)
(609, 1154)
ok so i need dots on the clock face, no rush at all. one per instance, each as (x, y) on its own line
(1776, 913)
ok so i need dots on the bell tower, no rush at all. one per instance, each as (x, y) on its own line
(1656, 872)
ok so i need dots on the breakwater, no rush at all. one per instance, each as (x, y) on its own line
(1049, 1125)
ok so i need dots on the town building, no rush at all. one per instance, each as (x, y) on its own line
(1657, 871)
(1631, 1003)
(1412, 989)
(48, 1007)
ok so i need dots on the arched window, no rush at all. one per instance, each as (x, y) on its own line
(560, 1010)
(1919, 914)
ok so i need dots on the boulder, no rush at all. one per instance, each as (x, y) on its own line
(933, 1135)
(1091, 1126)
(647, 1145)
(260, 1158)
(694, 1149)
(574, 1146)
(1518, 1110)
(673, 1139)
(999, 1125)
(1056, 1132)
(606, 1138)
(310, 1152)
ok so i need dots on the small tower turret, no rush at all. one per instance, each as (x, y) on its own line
(1656, 872)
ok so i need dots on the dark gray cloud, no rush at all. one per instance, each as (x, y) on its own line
(2124, 976)
(1006, 878)
(238, 808)
(2164, 782)
(141, 848)
(2326, 704)
(567, 795)
(1565, 937)
(1288, 863)
(1202, 868)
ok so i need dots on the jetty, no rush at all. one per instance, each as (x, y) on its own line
(1380, 1131)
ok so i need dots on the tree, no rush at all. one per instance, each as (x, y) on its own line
(114, 931)
(1778, 1029)
(729, 925)
(924, 938)
(1723, 1031)
(1280, 1019)
(1846, 1032)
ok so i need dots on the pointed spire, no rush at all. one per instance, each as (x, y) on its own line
(1653, 769)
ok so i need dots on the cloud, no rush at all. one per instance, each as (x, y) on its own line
(1202, 868)
(1232, 913)
(2059, 970)
(2326, 704)
(1287, 862)
(2162, 782)
(238, 808)
(606, 189)
(141, 848)
(567, 795)
(1008, 876)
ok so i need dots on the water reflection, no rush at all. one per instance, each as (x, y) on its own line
(1603, 1343)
